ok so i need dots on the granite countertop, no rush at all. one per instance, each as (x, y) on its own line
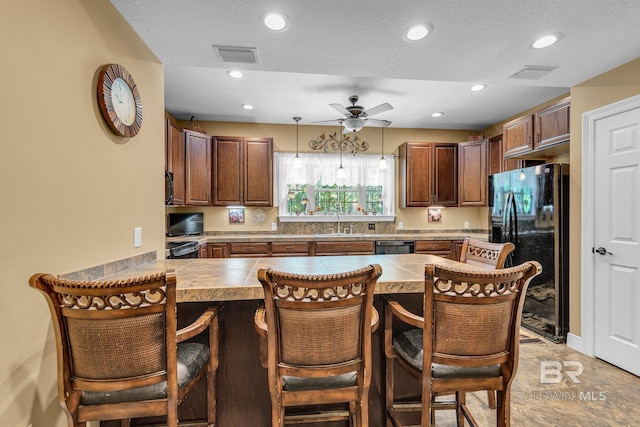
(272, 237)
(232, 279)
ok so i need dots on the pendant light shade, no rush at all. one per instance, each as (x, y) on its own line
(296, 160)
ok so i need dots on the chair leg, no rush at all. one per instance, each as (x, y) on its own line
(491, 399)
(461, 400)
(503, 408)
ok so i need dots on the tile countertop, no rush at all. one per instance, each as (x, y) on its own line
(267, 237)
(233, 279)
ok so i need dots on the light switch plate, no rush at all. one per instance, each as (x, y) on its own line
(274, 226)
(137, 237)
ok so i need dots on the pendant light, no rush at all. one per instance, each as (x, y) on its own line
(382, 164)
(296, 160)
(341, 173)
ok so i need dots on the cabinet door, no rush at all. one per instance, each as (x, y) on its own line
(175, 159)
(517, 135)
(472, 179)
(415, 171)
(445, 174)
(197, 168)
(258, 173)
(216, 250)
(552, 124)
(227, 173)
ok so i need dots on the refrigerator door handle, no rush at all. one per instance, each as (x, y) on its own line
(505, 218)
(514, 220)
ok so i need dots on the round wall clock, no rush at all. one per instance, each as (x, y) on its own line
(119, 100)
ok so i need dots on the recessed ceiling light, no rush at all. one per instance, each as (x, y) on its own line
(275, 21)
(236, 74)
(416, 32)
(478, 87)
(438, 114)
(545, 41)
(247, 106)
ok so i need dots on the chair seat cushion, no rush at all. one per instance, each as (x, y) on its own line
(191, 358)
(408, 344)
(323, 383)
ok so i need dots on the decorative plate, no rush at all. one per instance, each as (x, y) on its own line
(259, 216)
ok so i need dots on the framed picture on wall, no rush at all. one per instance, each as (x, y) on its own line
(236, 216)
(434, 214)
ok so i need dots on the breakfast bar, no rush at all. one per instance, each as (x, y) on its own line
(242, 390)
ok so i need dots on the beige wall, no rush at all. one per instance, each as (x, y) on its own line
(72, 191)
(284, 137)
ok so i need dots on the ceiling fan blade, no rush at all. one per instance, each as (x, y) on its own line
(329, 121)
(377, 123)
(378, 109)
(341, 109)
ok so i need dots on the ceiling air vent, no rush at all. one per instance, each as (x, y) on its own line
(532, 72)
(245, 55)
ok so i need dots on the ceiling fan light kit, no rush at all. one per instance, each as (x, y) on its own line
(357, 117)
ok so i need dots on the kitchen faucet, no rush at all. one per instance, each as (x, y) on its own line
(336, 214)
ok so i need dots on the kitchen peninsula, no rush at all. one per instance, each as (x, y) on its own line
(233, 283)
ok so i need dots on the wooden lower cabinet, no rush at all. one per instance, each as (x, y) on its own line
(345, 248)
(279, 249)
(244, 250)
(214, 250)
(441, 248)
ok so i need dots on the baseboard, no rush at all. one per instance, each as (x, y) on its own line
(575, 342)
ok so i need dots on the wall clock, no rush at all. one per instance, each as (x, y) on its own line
(119, 100)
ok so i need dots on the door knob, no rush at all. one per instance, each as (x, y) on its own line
(601, 251)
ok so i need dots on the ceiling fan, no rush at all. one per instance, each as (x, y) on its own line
(357, 117)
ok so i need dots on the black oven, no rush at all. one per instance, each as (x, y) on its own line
(183, 250)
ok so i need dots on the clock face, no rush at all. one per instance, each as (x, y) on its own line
(123, 103)
(119, 100)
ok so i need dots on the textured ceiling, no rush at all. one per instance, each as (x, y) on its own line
(333, 49)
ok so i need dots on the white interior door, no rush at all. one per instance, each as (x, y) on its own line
(616, 239)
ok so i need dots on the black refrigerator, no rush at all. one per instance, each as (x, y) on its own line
(530, 208)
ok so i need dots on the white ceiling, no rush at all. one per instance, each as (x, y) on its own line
(333, 49)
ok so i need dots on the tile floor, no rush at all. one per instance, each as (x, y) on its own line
(605, 396)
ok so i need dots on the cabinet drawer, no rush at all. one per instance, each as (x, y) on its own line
(349, 247)
(248, 249)
(289, 248)
(441, 248)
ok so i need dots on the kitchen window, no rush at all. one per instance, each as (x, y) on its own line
(313, 192)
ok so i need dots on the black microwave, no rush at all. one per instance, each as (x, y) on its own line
(185, 224)
(168, 188)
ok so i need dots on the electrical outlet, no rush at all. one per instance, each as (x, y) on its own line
(274, 226)
(466, 225)
(137, 237)
(372, 226)
(401, 225)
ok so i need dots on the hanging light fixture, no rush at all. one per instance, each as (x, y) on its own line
(382, 164)
(341, 172)
(296, 160)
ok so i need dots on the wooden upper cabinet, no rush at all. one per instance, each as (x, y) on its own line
(552, 124)
(258, 172)
(227, 176)
(518, 136)
(174, 158)
(541, 134)
(472, 180)
(495, 157)
(429, 174)
(197, 168)
(242, 171)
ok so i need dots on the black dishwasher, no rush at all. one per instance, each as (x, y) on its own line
(386, 247)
